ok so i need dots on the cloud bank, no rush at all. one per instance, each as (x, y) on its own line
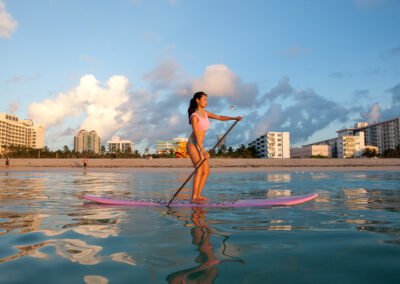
(159, 111)
(99, 105)
(7, 23)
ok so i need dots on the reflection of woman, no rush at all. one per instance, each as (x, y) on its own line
(198, 118)
(206, 271)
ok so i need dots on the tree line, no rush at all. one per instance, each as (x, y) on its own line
(222, 152)
(65, 153)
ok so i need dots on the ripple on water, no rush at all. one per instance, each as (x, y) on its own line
(44, 222)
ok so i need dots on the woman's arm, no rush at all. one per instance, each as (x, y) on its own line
(221, 117)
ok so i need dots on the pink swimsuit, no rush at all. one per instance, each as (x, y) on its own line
(204, 123)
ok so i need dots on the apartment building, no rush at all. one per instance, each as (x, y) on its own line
(19, 132)
(85, 141)
(117, 145)
(350, 146)
(384, 135)
(347, 145)
(273, 145)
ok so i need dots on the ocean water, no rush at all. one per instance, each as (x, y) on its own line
(349, 234)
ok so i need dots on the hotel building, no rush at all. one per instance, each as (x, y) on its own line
(19, 132)
(385, 135)
(345, 146)
(87, 142)
(350, 146)
(273, 145)
(117, 145)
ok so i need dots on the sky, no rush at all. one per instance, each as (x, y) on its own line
(130, 67)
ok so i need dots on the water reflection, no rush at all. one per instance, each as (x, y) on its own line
(273, 193)
(279, 177)
(206, 271)
(356, 198)
(95, 279)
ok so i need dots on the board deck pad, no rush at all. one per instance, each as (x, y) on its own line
(280, 201)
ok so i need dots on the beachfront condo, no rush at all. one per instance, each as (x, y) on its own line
(19, 132)
(385, 135)
(273, 145)
(117, 145)
(85, 141)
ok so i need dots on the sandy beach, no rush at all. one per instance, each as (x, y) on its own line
(243, 164)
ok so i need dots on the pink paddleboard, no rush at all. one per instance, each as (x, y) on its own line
(281, 201)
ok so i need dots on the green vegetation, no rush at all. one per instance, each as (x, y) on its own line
(65, 153)
(241, 152)
(370, 153)
(392, 153)
(318, 157)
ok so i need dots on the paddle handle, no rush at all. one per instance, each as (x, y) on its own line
(201, 163)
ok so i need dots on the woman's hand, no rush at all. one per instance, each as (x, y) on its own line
(238, 118)
(205, 154)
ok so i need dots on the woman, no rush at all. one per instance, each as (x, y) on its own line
(198, 118)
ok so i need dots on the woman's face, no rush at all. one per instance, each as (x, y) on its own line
(202, 102)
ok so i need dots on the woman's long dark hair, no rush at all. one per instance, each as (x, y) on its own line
(193, 103)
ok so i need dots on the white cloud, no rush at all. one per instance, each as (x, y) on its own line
(218, 80)
(102, 106)
(7, 23)
(373, 114)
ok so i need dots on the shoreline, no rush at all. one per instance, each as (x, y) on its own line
(213, 170)
(220, 164)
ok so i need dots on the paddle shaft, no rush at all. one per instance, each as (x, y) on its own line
(201, 163)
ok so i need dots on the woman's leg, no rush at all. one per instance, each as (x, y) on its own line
(203, 178)
(195, 156)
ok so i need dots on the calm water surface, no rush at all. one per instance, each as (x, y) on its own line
(349, 234)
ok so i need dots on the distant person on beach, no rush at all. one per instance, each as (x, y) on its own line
(7, 162)
(198, 118)
(85, 163)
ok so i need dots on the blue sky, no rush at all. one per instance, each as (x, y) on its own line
(129, 67)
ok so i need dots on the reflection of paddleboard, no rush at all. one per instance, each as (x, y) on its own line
(282, 201)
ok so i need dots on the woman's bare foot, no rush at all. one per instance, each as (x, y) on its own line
(202, 197)
(197, 200)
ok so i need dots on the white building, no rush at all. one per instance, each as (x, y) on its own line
(117, 145)
(19, 132)
(350, 146)
(273, 145)
(385, 135)
(87, 141)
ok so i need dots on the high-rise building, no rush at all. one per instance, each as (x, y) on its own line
(87, 141)
(19, 132)
(273, 145)
(350, 146)
(384, 135)
(117, 145)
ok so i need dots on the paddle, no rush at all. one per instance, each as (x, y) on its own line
(201, 162)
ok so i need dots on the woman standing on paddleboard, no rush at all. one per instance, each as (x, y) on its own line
(198, 118)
